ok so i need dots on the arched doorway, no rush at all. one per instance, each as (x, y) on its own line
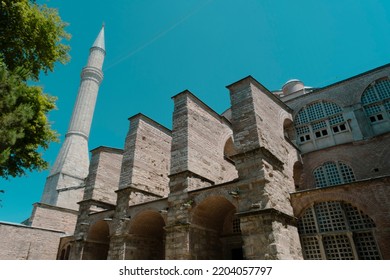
(97, 243)
(215, 230)
(147, 237)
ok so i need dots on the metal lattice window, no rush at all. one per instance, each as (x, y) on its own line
(330, 217)
(331, 108)
(303, 130)
(383, 89)
(376, 101)
(311, 248)
(369, 96)
(337, 230)
(307, 224)
(315, 111)
(387, 105)
(338, 247)
(357, 219)
(236, 225)
(366, 246)
(336, 119)
(333, 173)
(346, 173)
(316, 120)
(319, 125)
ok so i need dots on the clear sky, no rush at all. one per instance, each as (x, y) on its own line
(158, 48)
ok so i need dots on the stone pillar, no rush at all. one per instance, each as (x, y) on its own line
(263, 165)
(121, 222)
(269, 235)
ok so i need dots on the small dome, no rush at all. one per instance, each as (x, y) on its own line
(292, 86)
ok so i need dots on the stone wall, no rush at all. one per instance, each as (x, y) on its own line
(104, 172)
(20, 242)
(54, 218)
(146, 160)
(367, 158)
(199, 138)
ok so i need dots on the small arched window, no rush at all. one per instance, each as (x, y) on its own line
(335, 230)
(376, 101)
(333, 173)
(319, 119)
(229, 150)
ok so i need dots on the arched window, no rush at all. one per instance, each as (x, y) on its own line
(376, 101)
(229, 150)
(333, 173)
(319, 119)
(337, 230)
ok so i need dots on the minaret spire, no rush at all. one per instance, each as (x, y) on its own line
(65, 185)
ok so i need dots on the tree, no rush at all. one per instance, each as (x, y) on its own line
(30, 36)
(30, 42)
(24, 126)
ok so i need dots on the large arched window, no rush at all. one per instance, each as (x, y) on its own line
(319, 119)
(376, 101)
(337, 230)
(333, 173)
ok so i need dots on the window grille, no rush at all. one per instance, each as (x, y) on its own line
(318, 125)
(319, 116)
(337, 230)
(346, 173)
(331, 108)
(307, 224)
(376, 101)
(330, 217)
(366, 246)
(336, 119)
(236, 225)
(303, 130)
(383, 89)
(357, 219)
(369, 96)
(333, 173)
(311, 248)
(338, 247)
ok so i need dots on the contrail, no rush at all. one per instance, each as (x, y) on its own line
(158, 36)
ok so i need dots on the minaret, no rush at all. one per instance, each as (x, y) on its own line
(65, 185)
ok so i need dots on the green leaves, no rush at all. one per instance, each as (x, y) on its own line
(24, 126)
(30, 42)
(31, 36)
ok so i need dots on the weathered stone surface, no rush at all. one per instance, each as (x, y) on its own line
(28, 243)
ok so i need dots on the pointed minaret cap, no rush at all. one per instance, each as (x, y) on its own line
(99, 42)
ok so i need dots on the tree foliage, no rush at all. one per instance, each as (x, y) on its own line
(24, 126)
(30, 43)
(30, 36)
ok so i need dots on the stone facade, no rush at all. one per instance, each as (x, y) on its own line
(279, 175)
(300, 173)
(21, 242)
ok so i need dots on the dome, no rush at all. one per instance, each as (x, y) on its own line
(292, 86)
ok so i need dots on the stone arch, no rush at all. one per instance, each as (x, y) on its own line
(146, 236)
(298, 174)
(288, 129)
(65, 252)
(97, 242)
(229, 149)
(215, 231)
(360, 201)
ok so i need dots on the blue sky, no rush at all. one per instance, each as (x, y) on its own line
(158, 48)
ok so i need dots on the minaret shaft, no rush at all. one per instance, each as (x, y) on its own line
(65, 185)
